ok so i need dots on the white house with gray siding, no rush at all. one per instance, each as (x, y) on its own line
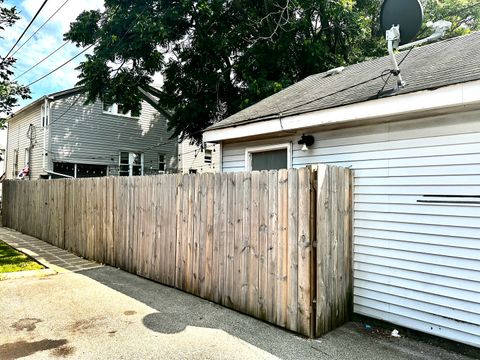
(58, 136)
(416, 159)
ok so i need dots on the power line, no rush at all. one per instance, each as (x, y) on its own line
(24, 31)
(87, 48)
(109, 157)
(45, 23)
(67, 110)
(333, 93)
(78, 97)
(60, 66)
(41, 61)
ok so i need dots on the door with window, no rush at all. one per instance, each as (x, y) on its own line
(131, 163)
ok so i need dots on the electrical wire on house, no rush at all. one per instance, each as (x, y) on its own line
(24, 31)
(40, 28)
(106, 157)
(390, 73)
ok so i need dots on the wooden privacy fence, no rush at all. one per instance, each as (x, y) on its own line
(243, 240)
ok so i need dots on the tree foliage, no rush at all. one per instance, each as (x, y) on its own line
(219, 56)
(10, 90)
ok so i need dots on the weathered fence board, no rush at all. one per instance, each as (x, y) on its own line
(334, 248)
(244, 240)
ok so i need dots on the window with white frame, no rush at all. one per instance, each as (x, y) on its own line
(118, 109)
(208, 156)
(44, 116)
(269, 157)
(15, 163)
(27, 158)
(161, 163)
(131, 164)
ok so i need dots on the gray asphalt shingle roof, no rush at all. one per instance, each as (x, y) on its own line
(444, 63)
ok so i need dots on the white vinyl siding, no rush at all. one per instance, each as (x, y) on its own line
(191, 157)
(18, 128)
(416, 263)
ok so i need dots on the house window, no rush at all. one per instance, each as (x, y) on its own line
(208, 156)
(161, 163)
(44, 116)
(15, 163)
(89, 171)
(66, 169)
(78, 170)
(27, 158)
(272, 157)
(118, 109)
(131, 163)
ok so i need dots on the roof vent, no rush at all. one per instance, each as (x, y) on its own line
(335, 71)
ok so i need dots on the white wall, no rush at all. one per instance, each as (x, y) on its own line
(190, 157)
(416, 264)
(3, 146)
(18, 140)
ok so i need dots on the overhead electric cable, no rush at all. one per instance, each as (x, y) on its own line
(41, 61)
(45, 23)
(60, 66)
(24, 31)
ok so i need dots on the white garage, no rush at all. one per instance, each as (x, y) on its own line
(416, 157)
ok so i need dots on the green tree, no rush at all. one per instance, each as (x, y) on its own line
(219, 56)
(10, 91)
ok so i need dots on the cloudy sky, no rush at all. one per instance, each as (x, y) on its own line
(44, 42)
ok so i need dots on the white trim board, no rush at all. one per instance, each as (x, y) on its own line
(453, 96)
(252, 150)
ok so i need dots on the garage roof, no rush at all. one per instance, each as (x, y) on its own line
(428, 67)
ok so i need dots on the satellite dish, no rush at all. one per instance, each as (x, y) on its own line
(407, 14)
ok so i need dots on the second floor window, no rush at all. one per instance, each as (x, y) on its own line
(118, 109)
(15, 163)
(27, 157)
(208, 156)
(44, 116)
(131, 164)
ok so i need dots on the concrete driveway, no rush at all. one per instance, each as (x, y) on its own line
(106, 313)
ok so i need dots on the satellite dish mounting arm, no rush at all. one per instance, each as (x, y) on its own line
(393, 40)
(440, 27)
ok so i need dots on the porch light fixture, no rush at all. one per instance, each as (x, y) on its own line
(306, 141)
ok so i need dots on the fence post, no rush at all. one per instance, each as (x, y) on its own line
(313, 234)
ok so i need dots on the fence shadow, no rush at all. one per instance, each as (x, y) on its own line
(273, 244)
(177, 310)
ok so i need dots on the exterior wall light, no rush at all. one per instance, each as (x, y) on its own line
(306, 141)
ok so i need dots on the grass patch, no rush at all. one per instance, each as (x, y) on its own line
(12, 260)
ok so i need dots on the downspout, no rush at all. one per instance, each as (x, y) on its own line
(44, 148)
(30, 133)
(6, 159)
(220, 151)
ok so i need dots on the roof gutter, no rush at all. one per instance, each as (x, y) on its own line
(459, 95)
(42, 99)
